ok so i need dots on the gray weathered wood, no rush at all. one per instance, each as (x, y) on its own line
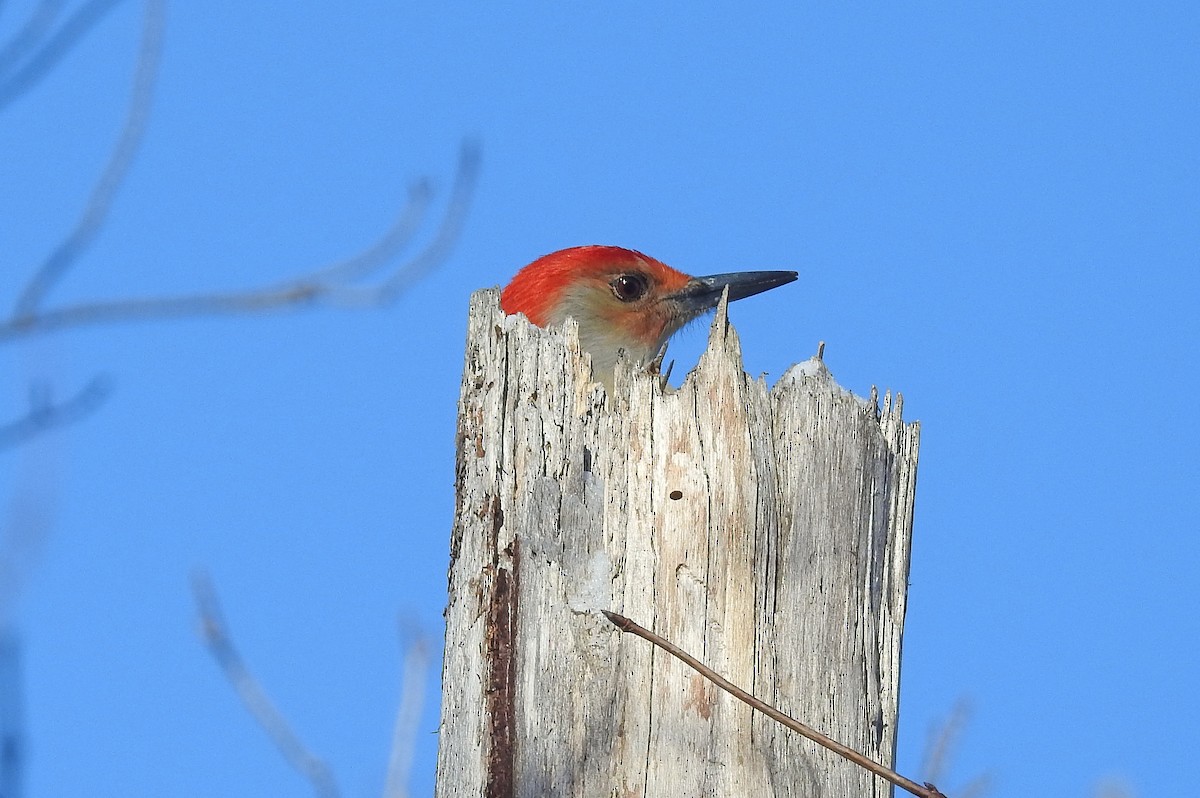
(764, 530)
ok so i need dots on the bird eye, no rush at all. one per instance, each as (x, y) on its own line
(629, 287)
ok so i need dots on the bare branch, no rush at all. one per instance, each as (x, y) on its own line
(443, 241)
(408, 715)
(44, 61)
(61, 259)
(45, 414)
(326, 285)
(40, 20)
(216, 637)
(626, 625)
(379, 253)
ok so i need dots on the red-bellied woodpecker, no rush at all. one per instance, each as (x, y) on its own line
(622, 299)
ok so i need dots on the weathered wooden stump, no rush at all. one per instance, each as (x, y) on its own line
(765, 530)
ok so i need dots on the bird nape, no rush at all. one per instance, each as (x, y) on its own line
(622, 299)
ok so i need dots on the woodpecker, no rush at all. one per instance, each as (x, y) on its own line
(622, 299)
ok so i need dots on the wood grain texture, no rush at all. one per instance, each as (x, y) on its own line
(764, 530)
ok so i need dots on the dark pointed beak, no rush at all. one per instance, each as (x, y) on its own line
(703, 293)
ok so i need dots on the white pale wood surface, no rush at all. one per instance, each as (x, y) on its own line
(764, 530)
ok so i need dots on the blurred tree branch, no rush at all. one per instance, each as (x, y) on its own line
(216, 636)
(343, 283)
(941, 742)
(17, 79)
(96, 211)
(12, 722)
(408, 715)
(337, 284)
(371, 277)
(45, 413)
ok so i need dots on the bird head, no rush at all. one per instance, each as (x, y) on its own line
(621, 299)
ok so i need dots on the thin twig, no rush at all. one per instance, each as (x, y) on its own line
(58, 45)
(626, 625)
(45, 414)
(216, 637)
(308, 289)
(408, 715)
(405, 226)
(439, 248)
(98, 205)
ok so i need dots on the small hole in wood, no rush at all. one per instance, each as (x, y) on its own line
(676, 495)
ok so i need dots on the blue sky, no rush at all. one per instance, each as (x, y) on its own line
(995, 211)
